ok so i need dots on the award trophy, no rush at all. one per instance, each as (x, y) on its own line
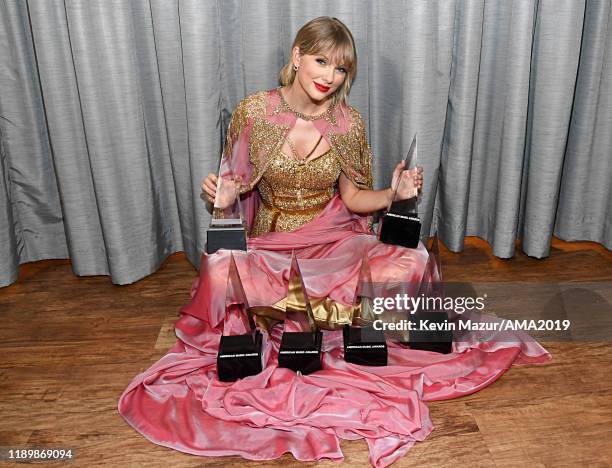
(401, 224)
(300, 348)
(431, 328)
(226, 230)
(363, 344)
(240, 346)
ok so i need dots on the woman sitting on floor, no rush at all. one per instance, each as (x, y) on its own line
(302, 165)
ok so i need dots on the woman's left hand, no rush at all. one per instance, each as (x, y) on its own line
(411, 183)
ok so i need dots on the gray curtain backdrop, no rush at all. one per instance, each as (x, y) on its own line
(113, 111)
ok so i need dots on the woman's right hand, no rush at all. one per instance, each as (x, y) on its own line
(209, 187)
(227, 190)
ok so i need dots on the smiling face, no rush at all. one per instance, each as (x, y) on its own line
(324, 53)
(319, 75)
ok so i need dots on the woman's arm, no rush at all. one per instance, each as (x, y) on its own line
(227, 191)
(362, 200)
(367, 201)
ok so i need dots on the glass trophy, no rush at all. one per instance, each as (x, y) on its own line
(300, 348)
(363, 344)
(432, 330)
(227, 228)
(240, 345)
(401, 225)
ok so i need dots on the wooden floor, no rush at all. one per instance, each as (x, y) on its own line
(69, 346)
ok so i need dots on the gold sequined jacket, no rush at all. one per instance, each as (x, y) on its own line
(291, 192)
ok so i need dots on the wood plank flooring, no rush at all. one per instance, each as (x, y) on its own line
(69, 346)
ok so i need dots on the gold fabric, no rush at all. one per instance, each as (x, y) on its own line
(351, 144)
(297, 301)
(294, 192)
(331, 315)
(328, 314)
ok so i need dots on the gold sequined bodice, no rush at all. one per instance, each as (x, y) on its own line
(293, 192)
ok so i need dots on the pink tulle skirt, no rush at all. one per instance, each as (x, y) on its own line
(180, 403)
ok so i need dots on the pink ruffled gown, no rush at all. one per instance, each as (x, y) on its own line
(180, 403)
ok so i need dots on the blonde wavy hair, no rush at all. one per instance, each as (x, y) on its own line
(330, 36)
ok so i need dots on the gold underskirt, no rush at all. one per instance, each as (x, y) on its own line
(328, 315)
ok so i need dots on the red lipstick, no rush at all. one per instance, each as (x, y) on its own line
(321, 88)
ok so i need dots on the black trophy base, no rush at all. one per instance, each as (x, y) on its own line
(365, 346)
(425, 334)
(301, 351)
(403, 230)
(230, 238)
(239, 356)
